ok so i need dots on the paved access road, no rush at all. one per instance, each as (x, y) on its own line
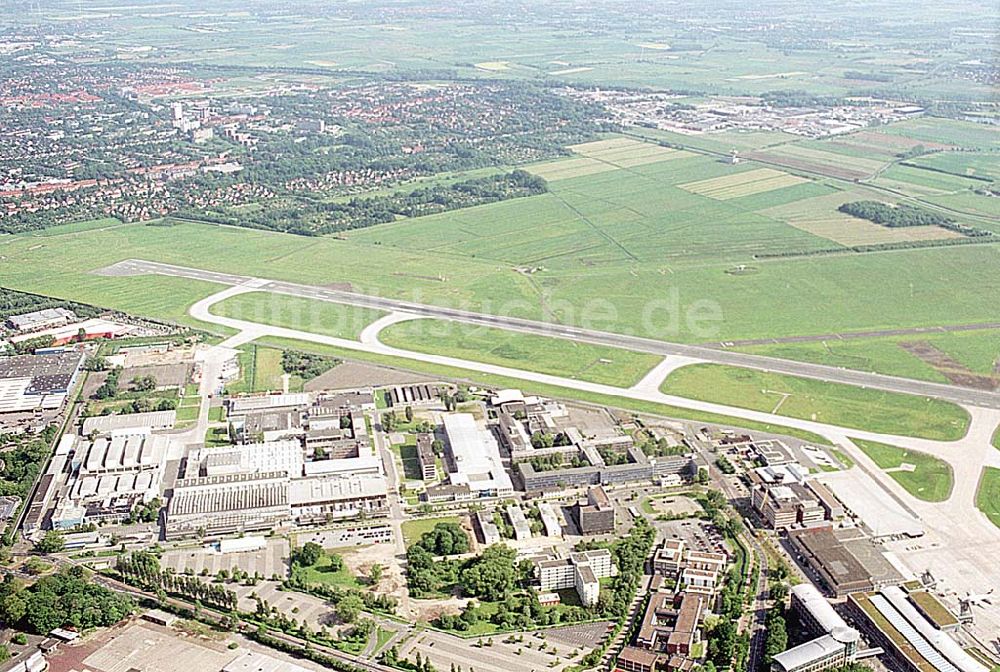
(960, 395)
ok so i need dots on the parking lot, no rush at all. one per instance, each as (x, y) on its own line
(267, 562)
(698, 534)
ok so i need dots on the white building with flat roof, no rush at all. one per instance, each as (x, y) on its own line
(475, 456)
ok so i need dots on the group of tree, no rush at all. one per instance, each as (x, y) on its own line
(66, 599)
(557, 461)
(306, 365)
(893, 216)
(446, 538)
(549, 440)
(145, 383)
(109, 388)
(142, 569)
(13, 302)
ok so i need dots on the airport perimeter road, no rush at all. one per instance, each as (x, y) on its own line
(959, 395)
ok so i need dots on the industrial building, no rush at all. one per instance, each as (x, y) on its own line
(474, 457)
(835, 643)
(91, 329)
(102, 481)
(597, 516)
(137, 423)
(40, 319)
(37, 382)
(785, 506)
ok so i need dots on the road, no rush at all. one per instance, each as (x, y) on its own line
(965, 396)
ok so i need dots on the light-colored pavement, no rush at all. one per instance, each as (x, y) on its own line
(953, 393)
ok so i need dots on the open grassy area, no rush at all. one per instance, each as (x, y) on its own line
(974, 351)
(321, 572)
(927, 477)
(279, 310)
(260, 371)
(988, 494)
(414, 529)
(809, 399)
(555, 356)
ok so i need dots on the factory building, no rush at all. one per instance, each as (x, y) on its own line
(474, 457)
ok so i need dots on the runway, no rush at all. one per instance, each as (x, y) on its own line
(959, 395)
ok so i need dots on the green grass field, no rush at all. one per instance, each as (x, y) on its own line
(279, 310)
(977, 350)
(808, 399)
(988, 494)
(414, 529)
(931, 479)
(260, 371)
(555, 356)
(322, 573)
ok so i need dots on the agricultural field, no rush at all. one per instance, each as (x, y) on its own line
(292, 312)
(923, 476)
(988, 495)
(967, 164)
(743, 184)
(819, 216)
(555, 356)
(964, 134)
(809, 399)
(817, 158)
(603, 156)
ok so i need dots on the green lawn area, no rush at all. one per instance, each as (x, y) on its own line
(931, 479)
(407, 453)
(216, 414)
(555, 356)
(809, 399)
(382, 638)
(976, 350)
(321, 573)
(260, 371)
(414, 529)
(217, 436)
(292, 312)
(988, 495)
(185, 413)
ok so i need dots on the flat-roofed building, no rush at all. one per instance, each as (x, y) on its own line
(522, 528)
(911, 642)
(40, 319)
(582, 571)
(670, 624)
(130, 423)
(425, 456)
(550, 521)
(634, 659)
(475, 457)
(213, 506)
(489, 533)
(597, 516)
(840, 571)
(316, 500)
